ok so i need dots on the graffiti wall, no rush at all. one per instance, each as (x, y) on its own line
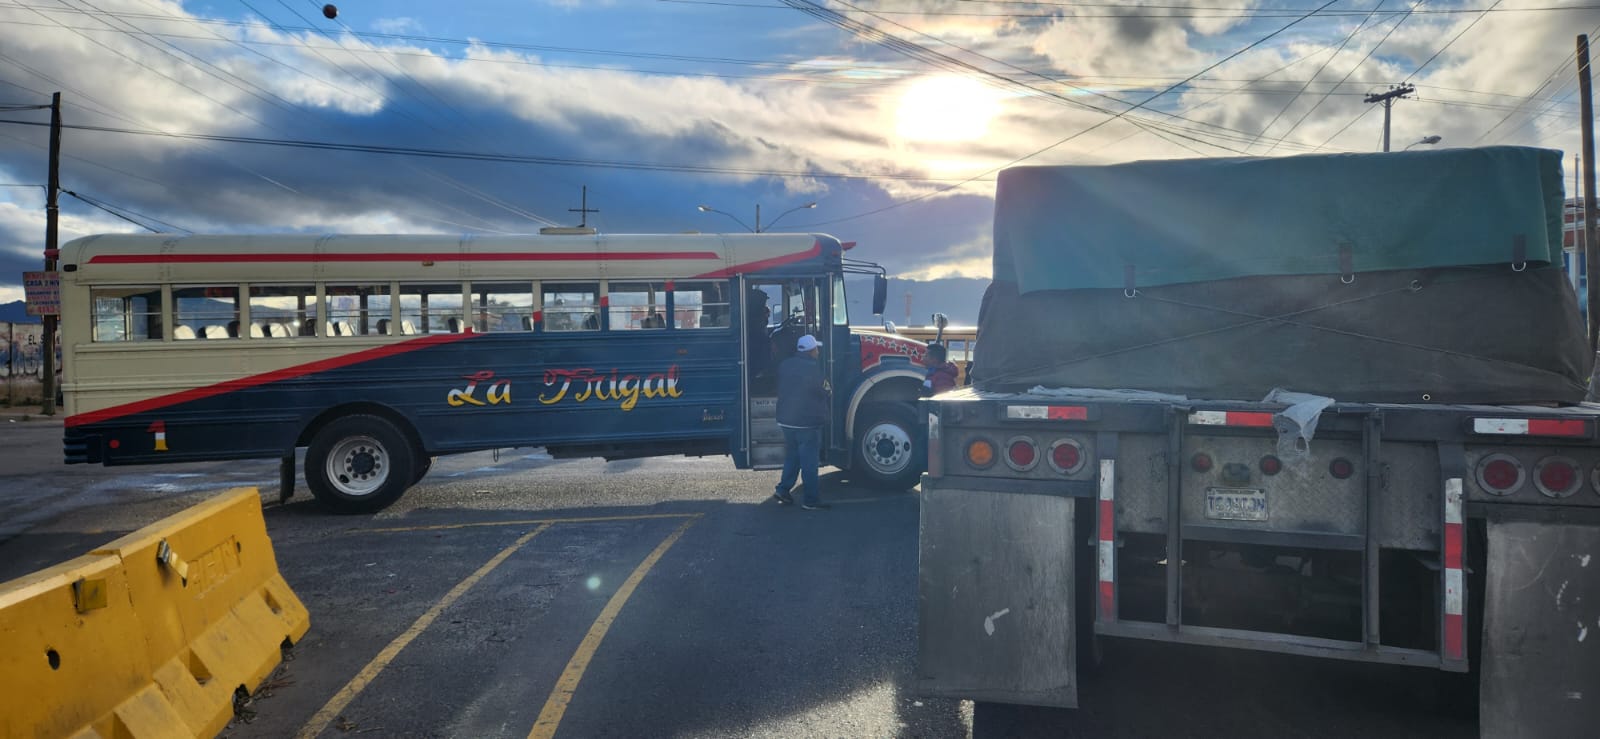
(22, 375)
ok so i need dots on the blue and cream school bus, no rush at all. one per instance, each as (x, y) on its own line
(377, 353)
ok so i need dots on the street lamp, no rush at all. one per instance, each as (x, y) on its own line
(1424, 140)
(780, 215)
(757, 229)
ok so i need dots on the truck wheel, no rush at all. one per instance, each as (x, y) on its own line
(359, 464)
(890, 448)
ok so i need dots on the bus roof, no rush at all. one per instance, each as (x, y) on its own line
(133, 258)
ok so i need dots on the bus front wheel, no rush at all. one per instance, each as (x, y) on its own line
(890, 450)
(359, 464)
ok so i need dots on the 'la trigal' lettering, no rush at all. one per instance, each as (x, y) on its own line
(586, 384)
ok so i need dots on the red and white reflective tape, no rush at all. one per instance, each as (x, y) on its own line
(1255, 419)
(1529, 427)
(1107, 535)
(1455, 591)
(1047, 412)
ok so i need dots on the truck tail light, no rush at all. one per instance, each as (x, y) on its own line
(1271, 465)
(1557, 477)
(980, 453)
(1500, 474)
(1021, 453)
(1341, 468)
(1066, 456)
(1201, 462)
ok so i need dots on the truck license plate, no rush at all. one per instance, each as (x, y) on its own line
(1236, 504)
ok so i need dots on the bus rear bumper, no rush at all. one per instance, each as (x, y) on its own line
(80, 447)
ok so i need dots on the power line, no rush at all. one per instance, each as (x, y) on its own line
(1347, 76)
(500, 158)
(1347, 39)
(1081, 132)
(113, 210)
(1176, 11)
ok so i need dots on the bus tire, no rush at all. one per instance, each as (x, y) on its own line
(424, 463)
(359, 464)
(890, 450)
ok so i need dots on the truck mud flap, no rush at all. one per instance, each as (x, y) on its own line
(996, 597)
(1541, 637)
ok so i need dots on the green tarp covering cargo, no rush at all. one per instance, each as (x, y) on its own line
(1403, 277)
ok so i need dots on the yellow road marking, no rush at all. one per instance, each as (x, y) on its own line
(337, 703)
(556, 707)
(524, 522)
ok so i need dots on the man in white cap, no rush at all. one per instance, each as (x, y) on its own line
(802, 412)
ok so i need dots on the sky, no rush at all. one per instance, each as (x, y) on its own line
(892, 116)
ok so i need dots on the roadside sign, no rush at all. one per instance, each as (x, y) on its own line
(43, 290)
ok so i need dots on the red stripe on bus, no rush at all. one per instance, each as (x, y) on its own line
(1108, 604)
(244, 383)
(1068, 413)
(1455, 631)
(1452, 546)
(1546, 427)
(814, 251)
(400, 257)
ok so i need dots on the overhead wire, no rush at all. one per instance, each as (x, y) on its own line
(113, 210)
(1347, 39)
(1088, 129)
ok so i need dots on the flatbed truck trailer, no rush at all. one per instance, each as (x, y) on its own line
(1443, 534)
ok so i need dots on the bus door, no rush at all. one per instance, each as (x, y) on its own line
(778, 311)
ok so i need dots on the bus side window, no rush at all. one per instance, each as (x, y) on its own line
(279, 311)
(700, 304)
(432, 307)
(126, 313)
(502, 306)
(571, 306)
(637, 305)
(354, 310)
(201, 309)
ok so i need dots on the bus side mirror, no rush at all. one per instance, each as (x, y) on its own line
(880, 294)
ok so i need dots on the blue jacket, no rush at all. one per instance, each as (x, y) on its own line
(802, 400)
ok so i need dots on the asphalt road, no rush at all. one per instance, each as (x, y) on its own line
(516, 595)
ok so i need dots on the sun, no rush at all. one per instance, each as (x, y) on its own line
(946, 108)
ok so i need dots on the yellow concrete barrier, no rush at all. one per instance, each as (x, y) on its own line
(150, 635)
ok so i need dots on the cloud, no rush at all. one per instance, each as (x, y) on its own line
(812, 99)
(400, 25)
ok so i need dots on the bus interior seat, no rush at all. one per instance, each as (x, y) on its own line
(654, 320)
(233, 329)
(308, 329)
(279, 331)
(527, 323)
(256, 332)
(216, 332)
(383, 326)
(454, 324)
(182, 332)
(591, 322)
(345, 329)
(407, 327)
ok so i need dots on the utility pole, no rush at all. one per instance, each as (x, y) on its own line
(1591, 257)
(758, 218)
(1388, 98)
(52, 215)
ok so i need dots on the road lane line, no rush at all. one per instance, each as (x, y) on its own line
(348, 693)
(556, 706)
(523, 522)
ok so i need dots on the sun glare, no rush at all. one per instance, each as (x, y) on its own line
(946, 109)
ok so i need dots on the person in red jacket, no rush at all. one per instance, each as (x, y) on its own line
(941, 372)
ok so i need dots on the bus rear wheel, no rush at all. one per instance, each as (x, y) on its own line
(359, 464)
(890, 451)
